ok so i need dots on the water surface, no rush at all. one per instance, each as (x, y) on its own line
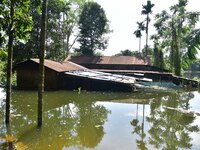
(102, 121)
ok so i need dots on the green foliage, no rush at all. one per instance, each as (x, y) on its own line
(78, 53)
(158, 59)
(147, 9)
(2, 73)
(93, 25)
(141, 27)
(21, 20)
(177, 35)
(138, 32)
(193, 43)
(3, 55)
(147, 51)
(98, 54)
(62, 30)
(130, 53)
(70, 23)
(31, 49)
(195, 66)
(197, 79)
(55, 37)
(15, 25)
(3, 24)
(3, 63)
(125, 53)
(20, 23)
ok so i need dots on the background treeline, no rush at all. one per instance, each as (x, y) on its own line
(78, 25)
(177, 39)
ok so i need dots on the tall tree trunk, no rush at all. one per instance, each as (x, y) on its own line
(67, 45)
(9, 63)
(176, 54)
(139, 44)
(63, 38)
(177, 60)
(41, 65)
(143, 122)
(172, 46)
(179, 52)
(147, 34)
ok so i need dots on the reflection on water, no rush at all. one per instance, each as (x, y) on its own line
(94, 120)
(169, 129)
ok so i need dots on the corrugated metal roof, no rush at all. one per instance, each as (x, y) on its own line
(60, 67)
(126, 60)
(132, 71)
(103, 76)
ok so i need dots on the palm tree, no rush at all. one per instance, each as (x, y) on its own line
(41, 65)
(147, 9)
(138, 32)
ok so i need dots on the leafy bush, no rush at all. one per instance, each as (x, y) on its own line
(2, 74)
(197, 79)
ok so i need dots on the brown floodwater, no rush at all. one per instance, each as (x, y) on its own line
(74, 120)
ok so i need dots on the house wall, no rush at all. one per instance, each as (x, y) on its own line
(51, 81)
(71, 82)
(27, 79)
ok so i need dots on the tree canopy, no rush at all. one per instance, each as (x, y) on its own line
(147, 9)
(16, 23)
(177, 35)
(138, 32)
(93, 25)
(62, 30)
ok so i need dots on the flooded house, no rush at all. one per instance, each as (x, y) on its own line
(70, 76)
(27, 74)
(131, 66)
(107, 73)
(124, 65)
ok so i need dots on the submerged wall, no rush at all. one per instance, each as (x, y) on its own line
(27, 78)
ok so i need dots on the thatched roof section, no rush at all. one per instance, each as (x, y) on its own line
(117, 60)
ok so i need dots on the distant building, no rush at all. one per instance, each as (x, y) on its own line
(125, 65)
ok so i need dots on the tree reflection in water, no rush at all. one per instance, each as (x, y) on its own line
(139, 129)
(169, 129)
(77, 123)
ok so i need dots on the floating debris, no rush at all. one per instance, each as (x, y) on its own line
(186, 112)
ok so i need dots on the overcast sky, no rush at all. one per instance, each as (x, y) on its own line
(123, 15)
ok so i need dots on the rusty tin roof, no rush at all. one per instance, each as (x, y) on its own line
(121, 60)
(57, 66)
